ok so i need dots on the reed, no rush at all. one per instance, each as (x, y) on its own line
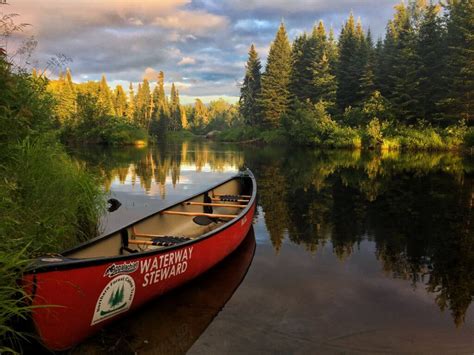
(48, 202)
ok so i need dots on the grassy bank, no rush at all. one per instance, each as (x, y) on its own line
(315, 127)
(114, 131)
(47, 200)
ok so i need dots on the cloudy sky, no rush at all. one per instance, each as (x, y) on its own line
(201, 45)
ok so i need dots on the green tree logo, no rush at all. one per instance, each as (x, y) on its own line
(116, 297)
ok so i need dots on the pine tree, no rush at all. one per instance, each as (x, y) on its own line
(250, 90)
(200, 115)
(65, 94)
(324, 83)
(175, 111)
(430, 50)
(275, 96)
(159, 97)
(367, 79)
(404, 93)
(301, 75)
(351, 63)
(131, 104)
(144, 105)
(104, 99)
(332, 51)
(120, 101)
(459, 100)
(184, 118)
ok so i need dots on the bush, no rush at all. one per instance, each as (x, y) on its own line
(469, 138)
(312, 125)
(373, 136)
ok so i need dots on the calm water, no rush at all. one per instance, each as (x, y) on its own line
(350, 253)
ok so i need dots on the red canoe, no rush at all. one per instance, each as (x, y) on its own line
(99, 281)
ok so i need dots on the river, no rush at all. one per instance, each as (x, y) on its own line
(351, 252)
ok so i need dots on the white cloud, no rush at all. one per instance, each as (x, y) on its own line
(196, 22)
(187, 61)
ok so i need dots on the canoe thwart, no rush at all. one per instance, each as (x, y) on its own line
(228, 205)
(213, 215)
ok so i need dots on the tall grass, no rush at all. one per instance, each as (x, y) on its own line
(48, 202)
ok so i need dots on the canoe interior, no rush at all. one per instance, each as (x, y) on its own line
(181, 226)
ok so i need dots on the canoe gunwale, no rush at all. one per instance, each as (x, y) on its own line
(72, 263)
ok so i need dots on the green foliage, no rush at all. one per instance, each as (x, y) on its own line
(250, 90)
(458, 101)
(47, 201)
(468, 138)
(120, 102)
(353, 59)
(13, 306)
(275, 96)
(311, 125)
(373, 135)
(200, 116)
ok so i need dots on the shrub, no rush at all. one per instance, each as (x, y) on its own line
(373, 136)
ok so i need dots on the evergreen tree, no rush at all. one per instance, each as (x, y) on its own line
(367, 79)
(159, 97)
(105, 97)
(120, 101)
(301, 76)
(459, 100)
(404, 92)
(160, 118)
(351, 63)
(175, 111)
(324, 83)
(144, 105)
(131, 104)
(184, 117)
(332, 51)
(250, 90)
(275, 96)
(65, 94)
(430, 48)
(200, 115)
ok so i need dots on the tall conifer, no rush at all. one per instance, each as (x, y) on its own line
(250, 90)
(131, 104)
(459, 100)
(275, 96)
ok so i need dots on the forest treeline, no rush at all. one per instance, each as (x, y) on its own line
(92, 112)
(415, 87)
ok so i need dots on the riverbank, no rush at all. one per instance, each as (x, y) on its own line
(48, 201)
(374, 136)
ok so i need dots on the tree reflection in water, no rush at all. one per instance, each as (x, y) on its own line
(416, 208)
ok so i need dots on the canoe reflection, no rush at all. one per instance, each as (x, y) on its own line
(172, 323)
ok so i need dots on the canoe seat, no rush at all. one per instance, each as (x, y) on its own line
(167, 241)
(229, 198)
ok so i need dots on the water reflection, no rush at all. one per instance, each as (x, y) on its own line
(415, 208)
(154, 166)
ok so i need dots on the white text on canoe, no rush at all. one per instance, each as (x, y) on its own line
(162, 267)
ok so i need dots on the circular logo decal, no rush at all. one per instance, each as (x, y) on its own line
(115, 298)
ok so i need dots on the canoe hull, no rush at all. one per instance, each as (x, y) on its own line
(75, 303)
